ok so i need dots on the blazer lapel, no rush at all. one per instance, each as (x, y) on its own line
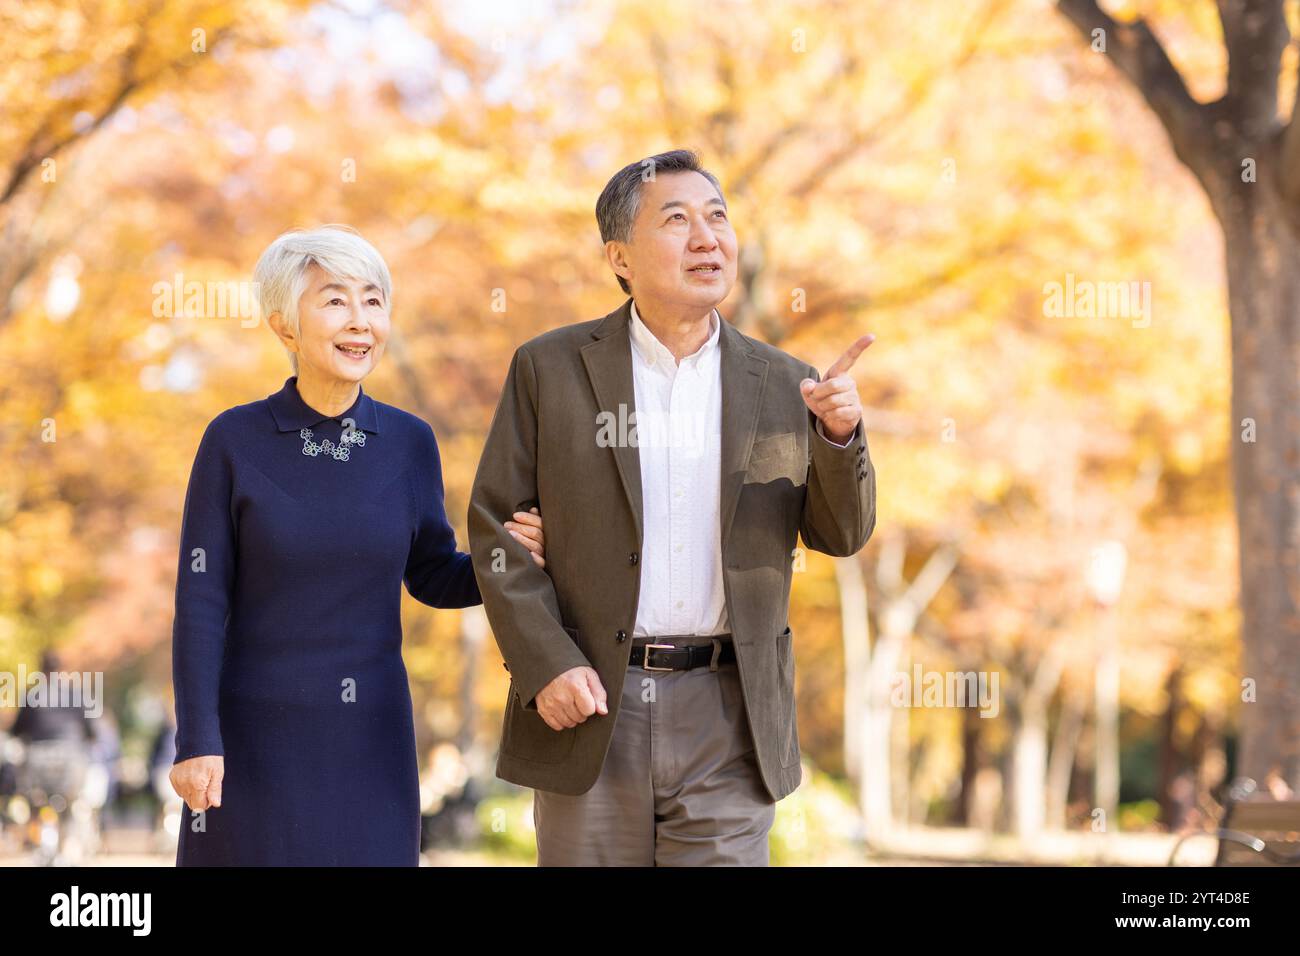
(744, 375)
(609, 366)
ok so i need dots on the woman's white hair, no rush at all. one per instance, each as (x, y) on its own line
(281, 272)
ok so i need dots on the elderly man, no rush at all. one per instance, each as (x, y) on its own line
(675, 459)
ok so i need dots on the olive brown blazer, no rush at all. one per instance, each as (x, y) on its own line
(779, 479)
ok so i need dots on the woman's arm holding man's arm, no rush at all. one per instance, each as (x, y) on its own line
(436, 573)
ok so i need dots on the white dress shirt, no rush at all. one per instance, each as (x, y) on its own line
(679, 440)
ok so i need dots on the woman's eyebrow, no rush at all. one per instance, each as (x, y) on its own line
(342, 288)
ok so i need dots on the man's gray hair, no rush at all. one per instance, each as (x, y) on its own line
(281, 272)
(618, 203)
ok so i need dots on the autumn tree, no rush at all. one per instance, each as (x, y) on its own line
(1246, 157)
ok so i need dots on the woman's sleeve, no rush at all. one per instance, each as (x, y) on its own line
(436, 573)
(205, 580)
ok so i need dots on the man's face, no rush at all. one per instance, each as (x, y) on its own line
(683, 249)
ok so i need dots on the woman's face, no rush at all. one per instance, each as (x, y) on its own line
(342, 327)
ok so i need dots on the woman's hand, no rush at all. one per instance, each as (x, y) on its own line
(527, 530)
(197, 781)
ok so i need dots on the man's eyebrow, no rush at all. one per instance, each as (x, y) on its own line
(678, 202)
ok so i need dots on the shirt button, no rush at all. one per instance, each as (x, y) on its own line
(678, 548)
(680, 603)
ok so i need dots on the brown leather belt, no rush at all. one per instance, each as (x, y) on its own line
(665, 655)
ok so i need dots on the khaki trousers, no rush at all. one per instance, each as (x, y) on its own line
(680, 785)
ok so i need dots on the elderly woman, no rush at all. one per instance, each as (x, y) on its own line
(306, 512)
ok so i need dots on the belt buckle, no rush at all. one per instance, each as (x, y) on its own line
(645, 663)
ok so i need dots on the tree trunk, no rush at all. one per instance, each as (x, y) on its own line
(473, 635)
(1264, 297)
(878, 772)
(1170, 760)
(1029, 771)
(900, 733)
(1208, 757)
(1060, 769)
(970, 760)
(856, 629)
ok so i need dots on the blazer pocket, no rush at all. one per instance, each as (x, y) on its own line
(526, 736)
(577, 639)
(774, 457)
(773, 446)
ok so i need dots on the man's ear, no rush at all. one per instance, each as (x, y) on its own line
(616, 253)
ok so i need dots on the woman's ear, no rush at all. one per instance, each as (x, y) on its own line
(281, 328)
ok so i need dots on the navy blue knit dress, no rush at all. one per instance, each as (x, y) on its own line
(299, 531)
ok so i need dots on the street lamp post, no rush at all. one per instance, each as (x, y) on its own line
(1105, 579)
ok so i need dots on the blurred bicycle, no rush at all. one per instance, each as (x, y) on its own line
(59, 792)
(59, 776)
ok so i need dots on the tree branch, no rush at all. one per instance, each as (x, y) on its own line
(42, 144)
(1255, 34)
(911, 100)
(959, 266)
(762, 156)
(1139, 55)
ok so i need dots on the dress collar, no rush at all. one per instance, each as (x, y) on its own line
(654, 351)
(291, 413)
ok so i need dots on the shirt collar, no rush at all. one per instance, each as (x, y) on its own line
(654, 351)
(291, 413)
